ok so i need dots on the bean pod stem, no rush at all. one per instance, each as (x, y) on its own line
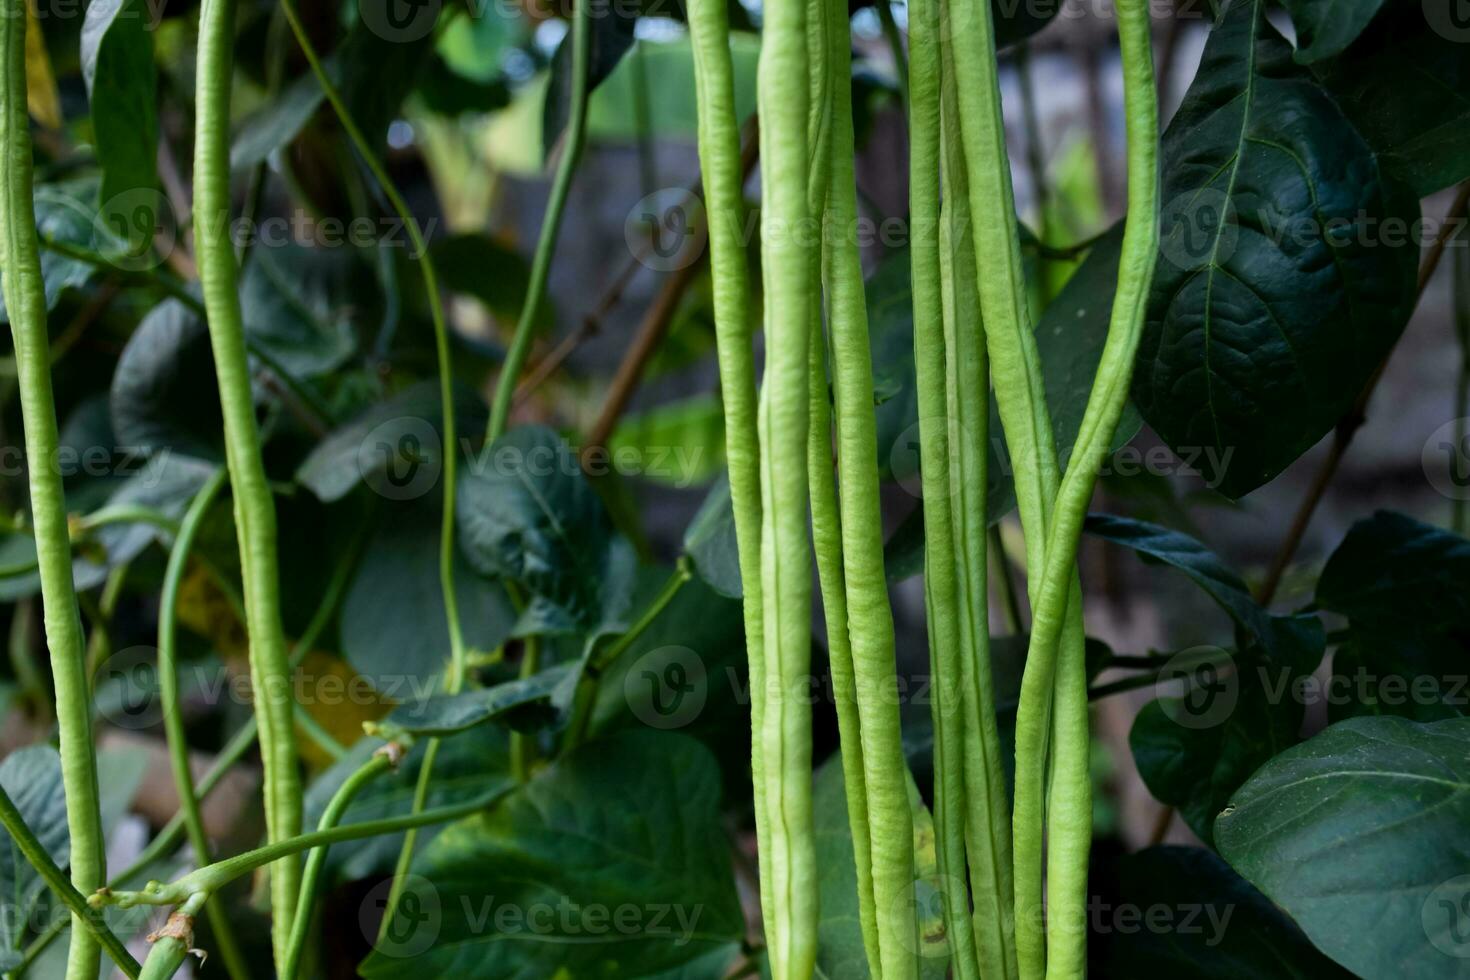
(26, 302)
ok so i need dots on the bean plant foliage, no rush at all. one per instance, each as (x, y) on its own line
(388, 592)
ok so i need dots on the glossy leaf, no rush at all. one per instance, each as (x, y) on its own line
(1325, 27)
(1181, 911)
(611, 863)
(122, 83)
(1401, 84)
(1358, 834)
(1280, 288)
(32, 778)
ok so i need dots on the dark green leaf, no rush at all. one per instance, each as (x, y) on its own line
(1359, 835)
(1403, 85)
(1281, 287)
(277, 124)
(527, 515)
(479, 266)
(32, 778)
(1325, 27)
(469, 765)
(298, 305)
(612, 37)
(394, 446)
(122, 83)
(164, 397)
(1295, 642)
(67, 213)
(393, 626)
(524, 704)
(610, 864)
(1181, 911)
(709, 541)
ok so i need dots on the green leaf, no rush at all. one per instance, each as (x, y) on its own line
(299, 304)
(122, 84)
(1358, 834)
(668, 68)
(471, 764)
(611, 864)
(494, 274)
(527, 515)
(1325, 27)
(1403, 585)
(393, 629)
(394, 446)
(679, 444)
(840, 952)
(525, 704)
(277, 124)
(709, 541)
(1193, 753)
(612, 37)
(1280, 289)
(67, 213)
(1213, 926)
(164, 396)
(1403, 84)
(1296, 642)
(32, 778)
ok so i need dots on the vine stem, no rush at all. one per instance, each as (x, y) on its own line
(26, 301)
(255, 518)
(55, 879)
(566, 167)
(385, 758)
(1349, 424)
(213, 877)
(173, 717)
(458, 654)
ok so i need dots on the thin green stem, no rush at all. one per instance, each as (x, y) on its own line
(458, 653)
(255, 517)
(174, 942)
(173, 716)
(25, 300)
(383, 759)
(36, 855)
(566, 167)
(895, 44)
(209, 880)
(523, 744)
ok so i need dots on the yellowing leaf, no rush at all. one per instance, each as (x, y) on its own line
(42, 98)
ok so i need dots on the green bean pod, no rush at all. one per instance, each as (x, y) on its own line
(870, 616)
(789, 272)
(255, 516)
(26, 302)
(940, 595)
(967, 381)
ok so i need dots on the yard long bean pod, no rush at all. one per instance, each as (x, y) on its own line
(1070, 803)
(826, 517)
(255, 517)
(571, 154)
(173, 718)
(719, 161)
(789, 272)
(870, 617)
(939, 580)
(26, 302)
(967, 390)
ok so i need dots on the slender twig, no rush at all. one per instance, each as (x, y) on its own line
(1349, 424)
(571, 154)
(55, 879)
(383, 759)
(173, 716)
